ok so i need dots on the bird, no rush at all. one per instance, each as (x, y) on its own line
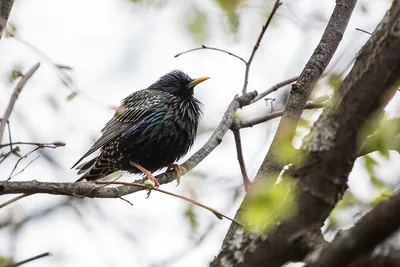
(151, 129)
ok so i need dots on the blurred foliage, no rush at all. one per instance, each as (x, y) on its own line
(191, 218)
(4, 261)
(383, 196)
(230, 7)
(364, 8)
(384, 138)
(348, 200)
(268, 204)
(334, 81)
(287, 154)
(11, 29)
(370, 164)
(196, 24)
(150, 2)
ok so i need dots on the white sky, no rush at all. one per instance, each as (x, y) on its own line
(115, 48)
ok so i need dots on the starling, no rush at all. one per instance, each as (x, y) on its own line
(150, 130)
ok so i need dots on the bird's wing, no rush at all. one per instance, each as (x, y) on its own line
(133, 109)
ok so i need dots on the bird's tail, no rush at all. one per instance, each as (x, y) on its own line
(95, 169)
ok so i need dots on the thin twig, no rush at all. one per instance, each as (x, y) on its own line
(60, 70)
(215, 212)
(127, 201)
(260, 36)
(15, 151)
(24, 168)
(19, 160)
(9, 136)
(312, 104)
(238, 142)
(8, 202)
(274, 88)
(212, 48)
(29, 260)
(58, 143)
(14, 97)
(364, 31)
(39, 146)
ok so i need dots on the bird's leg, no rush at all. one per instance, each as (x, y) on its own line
(148, 174)
(179, 170)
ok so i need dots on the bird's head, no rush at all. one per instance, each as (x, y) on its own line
(177, 82)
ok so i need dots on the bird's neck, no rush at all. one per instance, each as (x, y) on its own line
(190, 107)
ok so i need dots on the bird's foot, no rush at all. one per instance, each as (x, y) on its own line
(148, 174)
(179, 170)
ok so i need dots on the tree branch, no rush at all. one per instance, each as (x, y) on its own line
(82, 189)
(312, 104)
(329, 152)
(238, 142)
(14, 97)
(5, 10)
(255, 48)
(369, 231)
(274, 88)
(308, 78)
(212, 48)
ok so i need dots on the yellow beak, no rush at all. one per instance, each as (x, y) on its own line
(197, 81)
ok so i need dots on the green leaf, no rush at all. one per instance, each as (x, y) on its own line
(348, 200)
(192, 218)
(383, 196)
(369, 164)
(334, 81)
(14, 74)
(267, 204)
(377, 182)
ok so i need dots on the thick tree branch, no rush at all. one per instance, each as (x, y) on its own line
(301, 90)
(329, 152)
(14, 97)
(369, 231)
(391, 259)
(5, 10)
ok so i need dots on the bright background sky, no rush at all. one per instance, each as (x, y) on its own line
(117, 47)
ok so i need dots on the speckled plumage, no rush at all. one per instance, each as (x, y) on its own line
(153, 127)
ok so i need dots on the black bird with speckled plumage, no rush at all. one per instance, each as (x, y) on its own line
(153, 127)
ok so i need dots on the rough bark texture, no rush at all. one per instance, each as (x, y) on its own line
(331, 149)
(302, 89)
(370, 231)
(5, 9)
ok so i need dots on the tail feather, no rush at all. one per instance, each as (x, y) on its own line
(95, 169)
(85, 166)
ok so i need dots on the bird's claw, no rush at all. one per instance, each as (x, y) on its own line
(179, 170)
(151, 182)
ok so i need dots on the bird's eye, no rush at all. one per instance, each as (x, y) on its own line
(178, 85)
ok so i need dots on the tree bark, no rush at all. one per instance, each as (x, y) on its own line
(330, 151)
